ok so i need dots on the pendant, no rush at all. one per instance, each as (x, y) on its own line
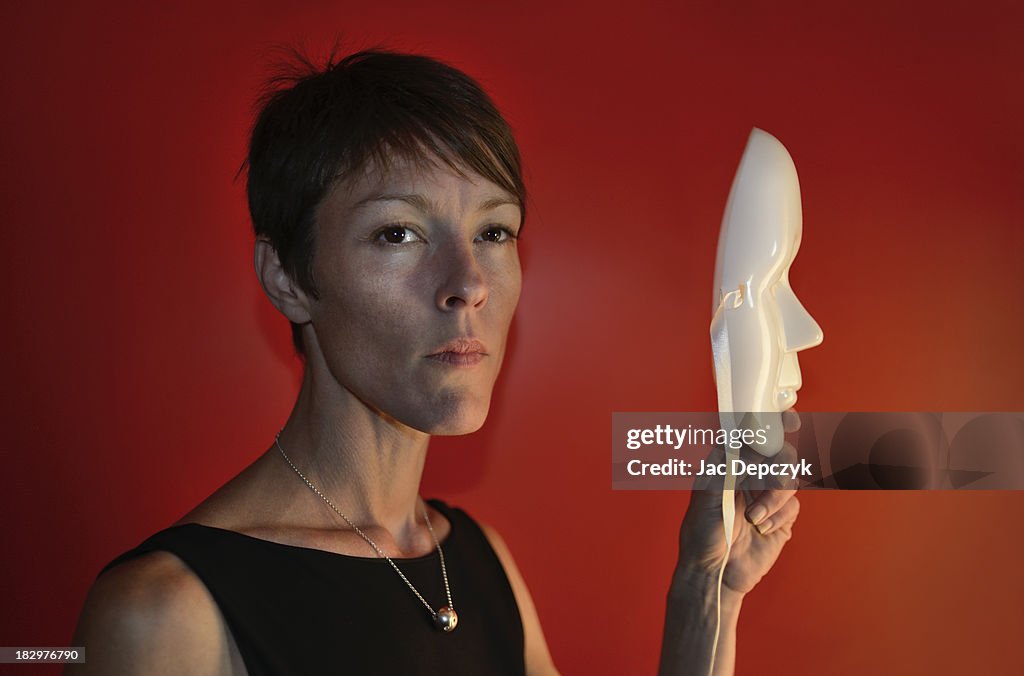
(446, 619)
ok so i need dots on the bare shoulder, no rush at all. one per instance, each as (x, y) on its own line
(538, 657)
(153, 615)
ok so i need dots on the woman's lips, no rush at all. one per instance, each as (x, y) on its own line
(462, 352)
(456, 359)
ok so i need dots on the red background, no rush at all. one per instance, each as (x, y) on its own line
(142, 367)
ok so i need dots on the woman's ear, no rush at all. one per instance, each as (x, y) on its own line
(286, 295)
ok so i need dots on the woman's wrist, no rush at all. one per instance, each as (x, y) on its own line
(691, 620)
(698, 588)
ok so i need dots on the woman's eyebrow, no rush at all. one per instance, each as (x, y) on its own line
(417, 201)
(495, 202)
(426, 205)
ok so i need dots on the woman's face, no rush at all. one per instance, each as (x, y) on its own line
(418, 273)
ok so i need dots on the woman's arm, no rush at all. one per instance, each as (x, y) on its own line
(538, 658)
(690, 618)
(763, 525)
(152, 615)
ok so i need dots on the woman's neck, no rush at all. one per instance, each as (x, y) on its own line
(368, 465)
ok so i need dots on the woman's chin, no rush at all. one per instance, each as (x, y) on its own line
(449, 413)
(461, 425)
(463, 418)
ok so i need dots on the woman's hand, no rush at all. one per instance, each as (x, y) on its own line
(763, 525)
(695, 613)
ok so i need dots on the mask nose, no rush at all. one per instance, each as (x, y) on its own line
(799, 326)
(463, 282)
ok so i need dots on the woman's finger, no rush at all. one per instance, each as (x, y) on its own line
(783, 518)
(767, 505)
(781, 475)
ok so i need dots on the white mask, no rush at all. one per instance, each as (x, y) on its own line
(758, 324)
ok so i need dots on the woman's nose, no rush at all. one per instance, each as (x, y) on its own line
(464, 284)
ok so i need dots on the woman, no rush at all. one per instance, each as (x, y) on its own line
(387, 197)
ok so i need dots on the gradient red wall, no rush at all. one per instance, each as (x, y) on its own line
(142, 367)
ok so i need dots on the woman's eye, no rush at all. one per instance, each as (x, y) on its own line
(496, 234)
(397, 234)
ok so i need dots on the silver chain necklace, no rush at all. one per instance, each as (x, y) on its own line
(445, 618)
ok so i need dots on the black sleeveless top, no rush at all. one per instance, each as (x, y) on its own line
(295, 610)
